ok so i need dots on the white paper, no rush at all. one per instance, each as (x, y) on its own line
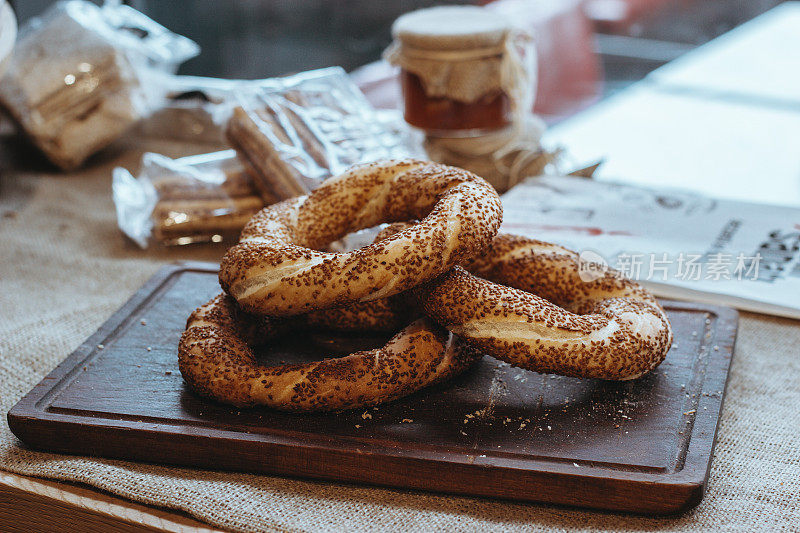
(759, 60)
(652, 136)
(679, 244)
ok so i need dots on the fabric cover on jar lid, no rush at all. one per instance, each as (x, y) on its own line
(458, 52)
(452, 28)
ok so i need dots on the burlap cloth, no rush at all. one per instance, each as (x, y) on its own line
(64, 269)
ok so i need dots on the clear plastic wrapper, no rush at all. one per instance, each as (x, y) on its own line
(139, 34)
(74, 83)
(195, 109)
(196, 199)
(294, 132)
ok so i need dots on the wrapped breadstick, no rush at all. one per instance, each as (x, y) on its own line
(196, 199)
(187, 221)
(75, 81)
(295, 132)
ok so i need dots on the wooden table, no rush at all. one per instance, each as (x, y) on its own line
(32, 505)
(726, 115)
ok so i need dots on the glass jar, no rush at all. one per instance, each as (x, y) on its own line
(454, 70)
(442, 114)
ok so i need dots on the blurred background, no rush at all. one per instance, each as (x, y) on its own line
(588, 49)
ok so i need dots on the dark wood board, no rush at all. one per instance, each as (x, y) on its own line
(643, 446)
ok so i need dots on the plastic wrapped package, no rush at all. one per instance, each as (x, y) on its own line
(195, 109)
(196, 199)
(294, 132)
(139, 34)
(74, 84)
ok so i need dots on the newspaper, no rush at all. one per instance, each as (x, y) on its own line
(679, 244)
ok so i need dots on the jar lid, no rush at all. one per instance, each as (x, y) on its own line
(451, 28)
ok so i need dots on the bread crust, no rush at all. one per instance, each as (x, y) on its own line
(524, 302)
(278, 268)
(216, 359)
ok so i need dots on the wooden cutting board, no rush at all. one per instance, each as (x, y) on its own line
(641, 446)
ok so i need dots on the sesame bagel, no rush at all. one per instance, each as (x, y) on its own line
(278, 268)
(217, 360)
(524, 302)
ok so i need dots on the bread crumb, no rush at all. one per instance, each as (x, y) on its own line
(365, 415)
